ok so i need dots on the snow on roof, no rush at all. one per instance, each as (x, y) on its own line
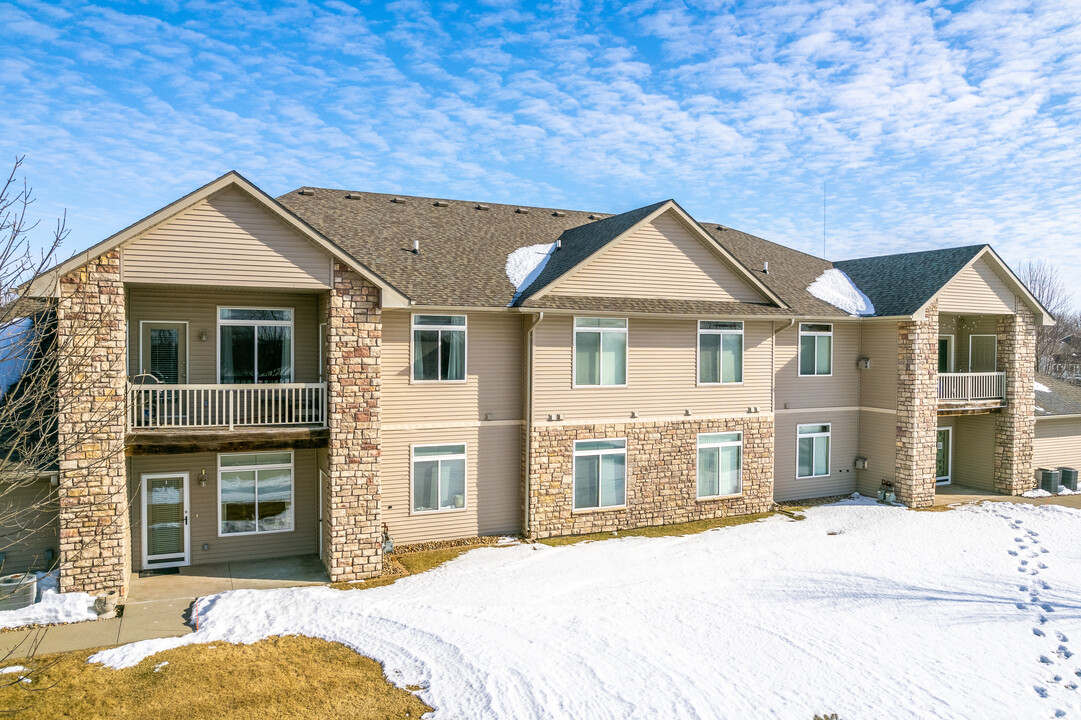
(16, 349)
(836, 288)
(1040, 387)
(525, 264)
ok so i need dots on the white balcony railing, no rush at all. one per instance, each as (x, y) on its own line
(967, 387)
(231, 406)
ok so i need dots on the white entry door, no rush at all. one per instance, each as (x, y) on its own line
(166, 539)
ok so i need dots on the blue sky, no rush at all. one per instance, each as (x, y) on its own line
(923, 123)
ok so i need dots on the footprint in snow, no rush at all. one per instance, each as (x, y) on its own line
(1041, 565)
(1012, 552)
(1064, 652)
(1061, 636)
(1038, 632)
(1024, 562)
(1046, 660)
(1060, 713)
(1042, 619)
(1047, 608)
(1020, 606)
(1044, 550)
(1040, 690)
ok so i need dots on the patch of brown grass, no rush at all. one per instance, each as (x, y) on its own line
(280, 677)
(688, 528)
(404, 564)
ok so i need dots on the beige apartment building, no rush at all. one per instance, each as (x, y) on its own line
(300, 375)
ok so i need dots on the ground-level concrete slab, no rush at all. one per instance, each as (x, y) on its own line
(160, 605)
(952, 494)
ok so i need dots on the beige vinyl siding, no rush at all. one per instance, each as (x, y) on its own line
(878, 384)
(661, 259)
(302, 540)
(225, 240)
(973, 450)
(978, 289)
(493, 483)
(35, 528)
(843, 446)
(661, 374)
(839, 390)
(493, 373)
(199, 307)
(1057, 443)
(877, 443)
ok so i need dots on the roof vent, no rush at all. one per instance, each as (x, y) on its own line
(416, 247)
(305, 192)
(441, 203)
(722, 228)
(765, 267)
(591, 216)
(559, 213)
(483, 207)
(397, 200)
(352, 196)
(559, 244)
(522, 211)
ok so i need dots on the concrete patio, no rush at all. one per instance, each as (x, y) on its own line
(953, 494)
(159, 605)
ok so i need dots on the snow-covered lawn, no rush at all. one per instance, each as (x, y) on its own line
(865, 610)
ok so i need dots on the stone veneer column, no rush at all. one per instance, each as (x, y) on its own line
(917, 409)
(354, 337)
(1015, 425)
(94, 531)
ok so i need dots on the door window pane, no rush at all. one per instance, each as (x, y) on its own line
(165, 354)
(255, 345)
(165, 516)
(943, 355)
(275, 354)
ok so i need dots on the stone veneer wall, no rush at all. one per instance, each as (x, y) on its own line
(1015, 425)
(661, 475)
(354, 339)
(917, 409)
(94, 525)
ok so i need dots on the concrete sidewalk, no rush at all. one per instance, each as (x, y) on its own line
(159, 606)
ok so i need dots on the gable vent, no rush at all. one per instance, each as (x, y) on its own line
(397, 200)
(482, 207)
(522, 211)
(305, 192)
(560, 213)
(441, 203)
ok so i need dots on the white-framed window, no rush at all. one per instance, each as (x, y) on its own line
(720, 464)
(813, 450)
(438, 477)
(720, 352)
(255, 345)
(815, 349)
(255, 493)
(600, 351)
(438, 348)
(600, 473)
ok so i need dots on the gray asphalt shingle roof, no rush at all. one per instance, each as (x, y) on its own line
(463, 249)
(901, 284)
(1060, 398)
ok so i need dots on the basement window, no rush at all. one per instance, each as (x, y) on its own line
(438, 477)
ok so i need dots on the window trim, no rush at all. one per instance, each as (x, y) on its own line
(799, 348)
(600, 331)
(598, 453)
(946, 479)
(698, 352)
(953, 353)
(829, 455)
(975, 335)
(698, 446)
(464, 328)
(464, 455)
(291, 324)
(277, 466)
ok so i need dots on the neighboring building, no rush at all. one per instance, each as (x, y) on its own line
(1058, 423)
(295, 373)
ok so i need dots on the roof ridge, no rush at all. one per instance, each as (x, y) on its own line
(951, 248)
(433, 198)
(759, 238)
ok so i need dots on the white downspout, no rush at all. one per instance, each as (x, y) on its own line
(528, 419)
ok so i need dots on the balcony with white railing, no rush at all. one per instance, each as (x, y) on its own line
(975, 389)
(186, 407)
